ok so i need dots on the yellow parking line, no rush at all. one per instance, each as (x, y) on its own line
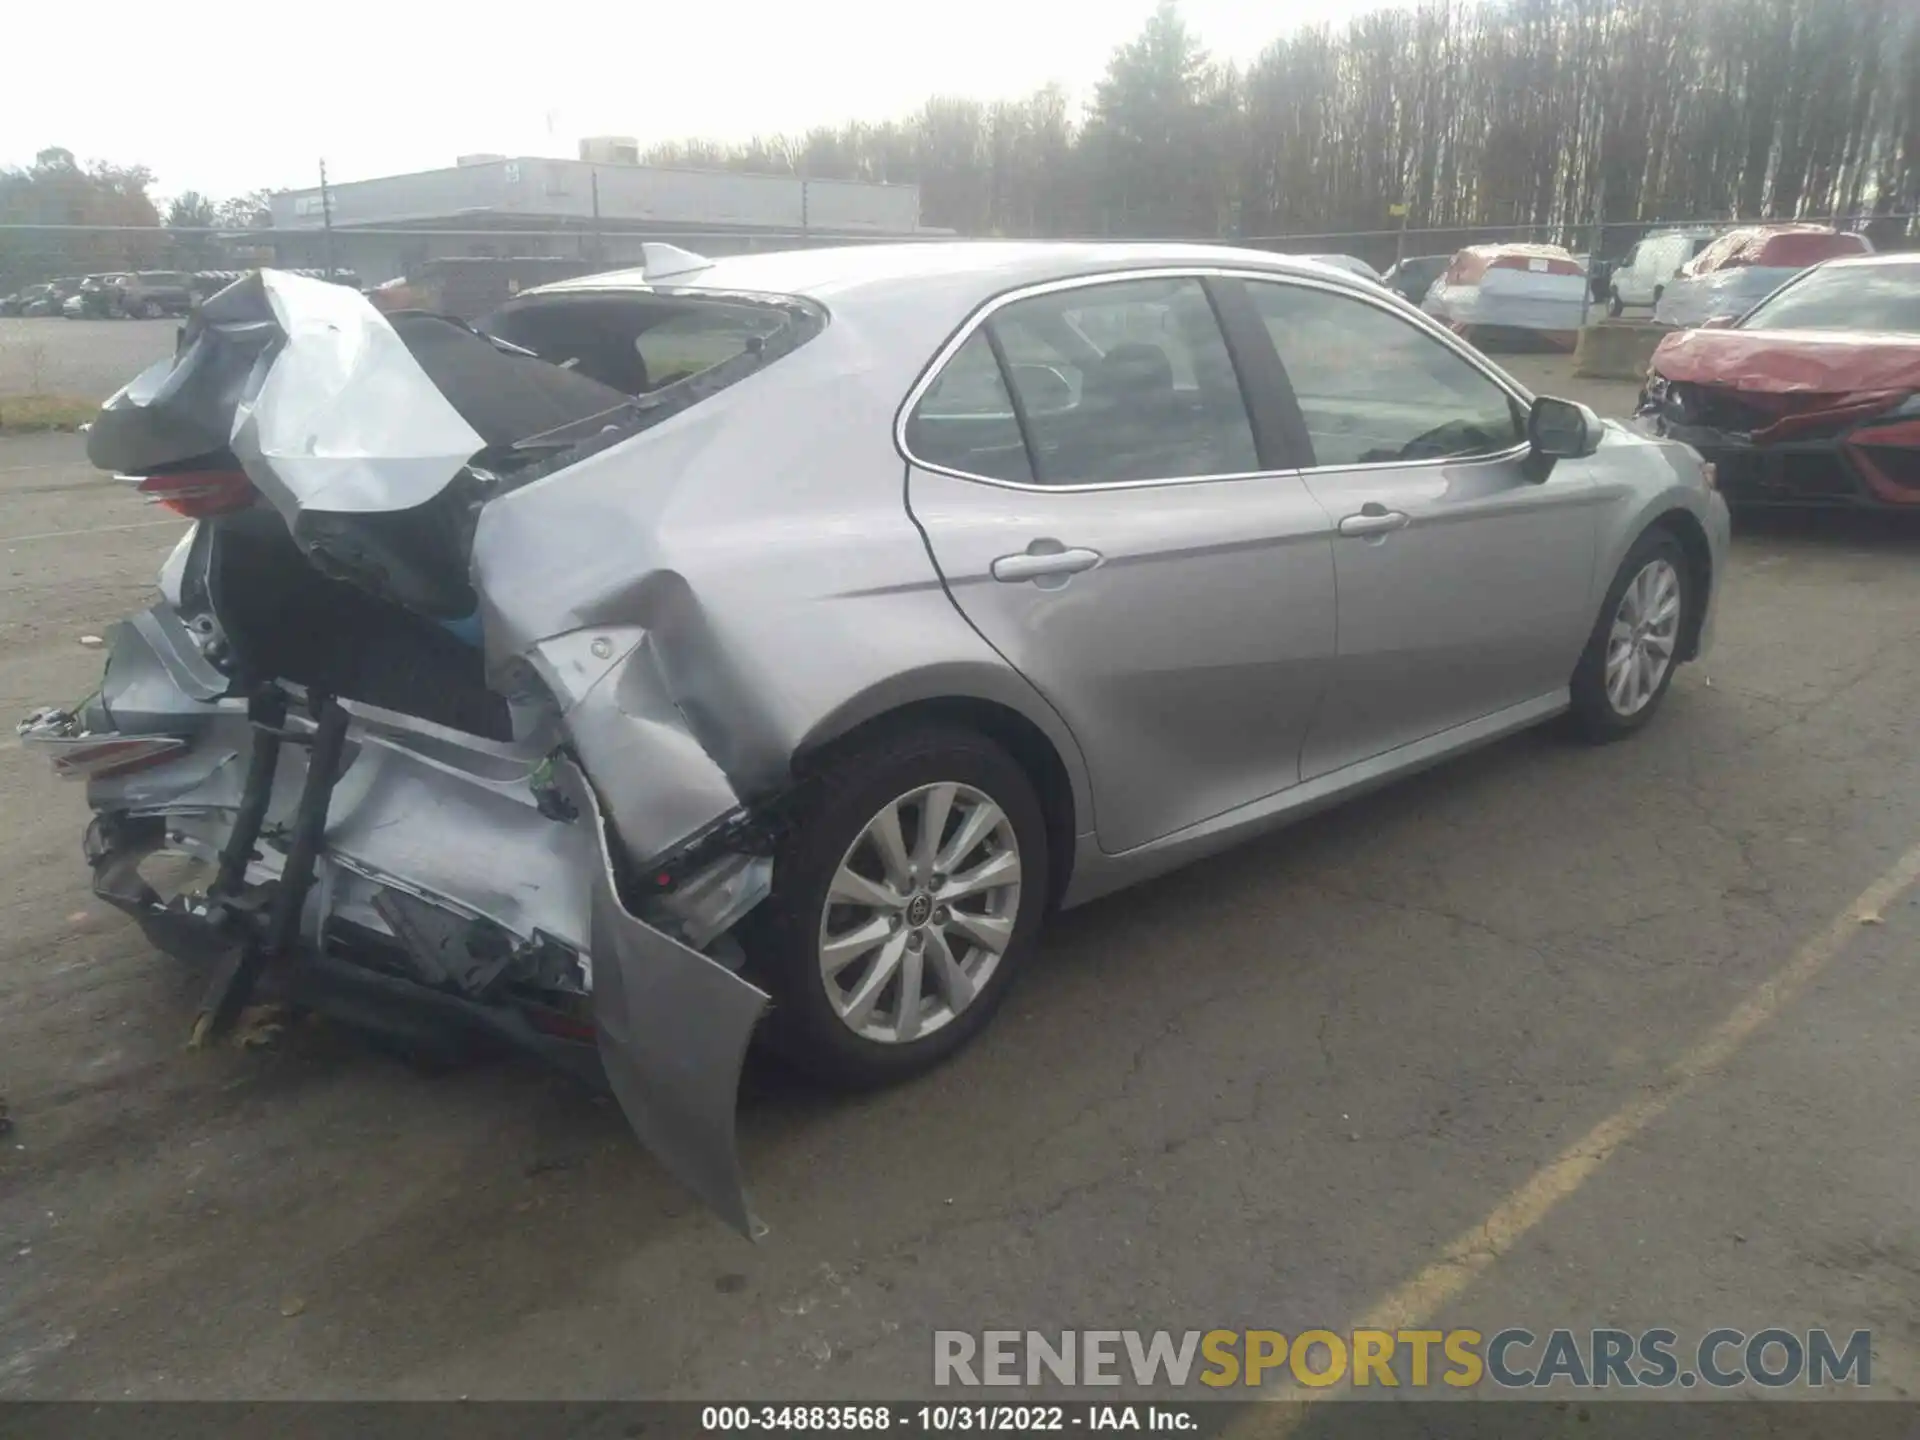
(1413, 1305)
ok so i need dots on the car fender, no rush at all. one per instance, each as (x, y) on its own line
(986, 680)
(1630, 503)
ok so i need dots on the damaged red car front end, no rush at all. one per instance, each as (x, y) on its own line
(1812, 399)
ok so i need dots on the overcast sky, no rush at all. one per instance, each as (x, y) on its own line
(224, 97)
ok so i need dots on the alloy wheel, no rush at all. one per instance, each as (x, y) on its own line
(1644, 635)
(919, 912)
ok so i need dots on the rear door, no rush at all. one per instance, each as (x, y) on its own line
(1463, 582)
(1111, 517)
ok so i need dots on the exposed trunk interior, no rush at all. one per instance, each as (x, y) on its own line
(284, 620)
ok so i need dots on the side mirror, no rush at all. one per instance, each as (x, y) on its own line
(1562, 429)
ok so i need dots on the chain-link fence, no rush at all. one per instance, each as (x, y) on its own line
(137, 283)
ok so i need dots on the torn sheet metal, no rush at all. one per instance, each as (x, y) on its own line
(1791, 362)
(331, 406)
(311, 389)
(673, 1028)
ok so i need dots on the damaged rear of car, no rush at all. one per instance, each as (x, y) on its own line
(1503, 292)
(329, 765)
(1813, 398)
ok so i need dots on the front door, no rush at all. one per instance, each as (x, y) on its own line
(1089, 484)
(1464, 582)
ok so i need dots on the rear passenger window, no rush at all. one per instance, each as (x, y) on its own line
(1128, 380)
(966, 421)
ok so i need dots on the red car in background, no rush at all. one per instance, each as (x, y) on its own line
(1813, 398)
(1745, 265)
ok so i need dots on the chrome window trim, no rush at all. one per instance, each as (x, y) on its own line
(1385, 303)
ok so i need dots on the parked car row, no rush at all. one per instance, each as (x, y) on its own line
(137, 294)
(1684, 276)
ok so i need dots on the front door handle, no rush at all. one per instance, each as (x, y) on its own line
(1373, 519)
(1041, 564)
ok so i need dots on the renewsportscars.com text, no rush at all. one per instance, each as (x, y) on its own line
(1511, 1359)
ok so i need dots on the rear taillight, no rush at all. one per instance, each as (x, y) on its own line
(1537, 264)
(86, 757)
(197, 494)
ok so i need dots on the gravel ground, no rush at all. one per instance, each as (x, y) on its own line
(87, 358)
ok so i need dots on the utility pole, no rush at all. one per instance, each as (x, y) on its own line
(599, 246)
(1400, 237)
(1593, 253)
(326, 218)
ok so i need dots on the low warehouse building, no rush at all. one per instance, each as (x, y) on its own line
(581, 210)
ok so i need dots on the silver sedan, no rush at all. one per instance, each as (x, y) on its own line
(766, 645)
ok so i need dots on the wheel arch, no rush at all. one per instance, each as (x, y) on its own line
(1039, 744)
(1686, 528)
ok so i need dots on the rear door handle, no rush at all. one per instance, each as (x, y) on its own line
(1373, 520)
(1037, 564)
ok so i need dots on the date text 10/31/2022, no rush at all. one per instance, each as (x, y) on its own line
(941, 1419)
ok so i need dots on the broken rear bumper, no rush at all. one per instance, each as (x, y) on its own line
(378, 1002)
(435, 892)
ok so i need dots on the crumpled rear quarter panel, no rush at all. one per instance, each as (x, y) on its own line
(761, 545)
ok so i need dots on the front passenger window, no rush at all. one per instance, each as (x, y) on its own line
(1375, 389)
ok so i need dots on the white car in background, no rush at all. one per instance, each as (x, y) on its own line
(1498, 290)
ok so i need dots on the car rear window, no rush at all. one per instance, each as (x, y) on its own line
(1878, 298)
(644, 342)
(652, 353)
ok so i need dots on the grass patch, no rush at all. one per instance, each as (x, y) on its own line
(25, 414)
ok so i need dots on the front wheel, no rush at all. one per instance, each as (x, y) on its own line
(1624, 672)
(1615, 305)
(904, 903)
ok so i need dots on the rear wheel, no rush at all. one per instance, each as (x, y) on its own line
(903, 906)
(1628, 664)
(1615, 305)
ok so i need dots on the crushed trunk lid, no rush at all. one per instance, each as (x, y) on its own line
(354, 425)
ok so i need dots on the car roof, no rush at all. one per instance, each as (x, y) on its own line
(1886, 257)
(983, 267)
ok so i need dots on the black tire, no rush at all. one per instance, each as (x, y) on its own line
(1614, 304)
(781, 935)
(1594, 717)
